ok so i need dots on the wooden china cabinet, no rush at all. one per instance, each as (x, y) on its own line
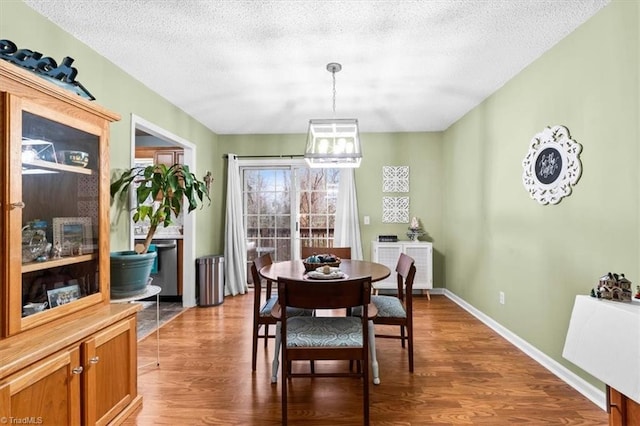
(67, 355)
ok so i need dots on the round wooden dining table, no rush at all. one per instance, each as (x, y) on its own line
(294, 269)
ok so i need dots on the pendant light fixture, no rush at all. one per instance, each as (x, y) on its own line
(333, 142)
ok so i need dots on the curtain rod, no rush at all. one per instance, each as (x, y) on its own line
(266, 156)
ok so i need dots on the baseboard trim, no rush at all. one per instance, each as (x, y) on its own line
(591, 392)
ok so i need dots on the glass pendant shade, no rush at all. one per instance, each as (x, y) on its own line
(333, 143)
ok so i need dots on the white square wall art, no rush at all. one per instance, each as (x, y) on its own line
(395, 178)
(395, 209)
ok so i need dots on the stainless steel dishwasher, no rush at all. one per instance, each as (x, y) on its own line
(165, 273)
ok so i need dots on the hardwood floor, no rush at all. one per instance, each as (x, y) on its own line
(464, 374)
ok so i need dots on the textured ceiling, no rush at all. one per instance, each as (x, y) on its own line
(259, 66)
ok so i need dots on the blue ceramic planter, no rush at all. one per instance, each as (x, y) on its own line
(130, 273)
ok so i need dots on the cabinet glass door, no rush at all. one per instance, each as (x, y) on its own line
(56, 175)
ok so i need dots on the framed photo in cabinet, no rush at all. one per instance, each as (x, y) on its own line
(74, 235)
(63, 295)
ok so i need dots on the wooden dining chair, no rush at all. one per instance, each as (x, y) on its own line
(262, 317)
(397, 310)
(341, 252)
(325, 338)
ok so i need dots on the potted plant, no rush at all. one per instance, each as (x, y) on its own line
(169, 188)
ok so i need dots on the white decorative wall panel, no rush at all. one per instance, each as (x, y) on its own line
(395, 178)
(395, 209)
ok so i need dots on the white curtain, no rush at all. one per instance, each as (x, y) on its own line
(235, 242)
(347, 227)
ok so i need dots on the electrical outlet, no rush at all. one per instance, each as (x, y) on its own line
(502, 297)
(367, 220)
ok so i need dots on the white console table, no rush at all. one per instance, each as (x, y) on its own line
(388, 253)
(604, 340)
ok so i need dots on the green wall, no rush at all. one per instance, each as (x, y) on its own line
(119, 92)
(497, 237)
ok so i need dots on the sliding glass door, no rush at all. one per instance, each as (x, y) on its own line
(289, 206)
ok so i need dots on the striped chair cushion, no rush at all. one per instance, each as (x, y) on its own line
(265, 311)
(324, 332)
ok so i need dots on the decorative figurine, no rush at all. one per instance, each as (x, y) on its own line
(415, 231)
(612, 286)
(207, 181)
(57, 250)
(415, 225)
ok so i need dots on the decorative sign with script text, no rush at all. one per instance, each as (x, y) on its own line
(552, 166)
(63, 74)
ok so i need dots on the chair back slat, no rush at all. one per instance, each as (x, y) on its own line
(262, 261)
(257, 281)
(257, 264)
(406, 271)
(324, 294)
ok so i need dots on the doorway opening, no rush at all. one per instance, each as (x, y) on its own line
(143, 131)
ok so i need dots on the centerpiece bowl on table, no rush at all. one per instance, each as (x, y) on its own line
(316, 261)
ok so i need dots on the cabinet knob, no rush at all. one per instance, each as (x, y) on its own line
(18, 205)
(94, 360)
(77, 370)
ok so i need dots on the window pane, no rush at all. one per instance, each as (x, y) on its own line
(283, 250)
(283, 222)
(282, 203)
(282, 180)
(251, 203)
(266, 225)
(305, 203)
(318, 222)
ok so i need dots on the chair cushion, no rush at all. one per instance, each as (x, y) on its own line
(265, 311)
(388, 307)
(324, 332)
